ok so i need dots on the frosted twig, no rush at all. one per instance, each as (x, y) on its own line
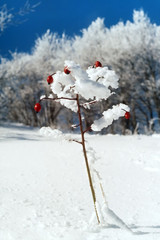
(89, 103)
(57, 98)
(75, 125)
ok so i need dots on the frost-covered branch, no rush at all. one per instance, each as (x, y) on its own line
(27, 8)
(85, 85)
(9, 16)
(110, 115)
(56, 98)
(87, 104)
(6, 17)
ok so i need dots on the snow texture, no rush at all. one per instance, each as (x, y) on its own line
(55, 133)
(87, 86)
(90, 84)
(45, 194)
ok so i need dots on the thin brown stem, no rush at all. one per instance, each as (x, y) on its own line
(83, 145)
(73, 140)
(72, 86)
(101, 187)
(86, 159)
(52, 74)
(99, 78)
(89, 128)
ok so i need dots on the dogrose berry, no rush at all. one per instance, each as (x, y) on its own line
(127, 115)
(98, 64)
(66, 70)
(37, 107)
(50, 79)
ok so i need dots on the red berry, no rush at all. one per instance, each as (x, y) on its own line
(37, 107)
(127, 115)
(98, 64)
(66, 70)
(50, 79)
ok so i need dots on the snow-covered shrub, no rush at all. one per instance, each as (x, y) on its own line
(77, 89)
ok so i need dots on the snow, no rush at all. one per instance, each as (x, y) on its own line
(93, 84)
(87, 86)
(90, 84)
(45, 195)
(110, 115)
(104, 75)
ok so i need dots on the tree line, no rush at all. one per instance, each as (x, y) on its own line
(132, 49)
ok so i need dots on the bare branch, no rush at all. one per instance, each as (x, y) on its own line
(89, 128)
(99, 78)
(74, 140)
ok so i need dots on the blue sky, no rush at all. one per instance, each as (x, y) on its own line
(68, 16)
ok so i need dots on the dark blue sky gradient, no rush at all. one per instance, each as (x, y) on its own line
(69, 17)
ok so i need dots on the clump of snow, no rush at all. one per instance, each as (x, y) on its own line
(90, 84)
(60, 81)
(50, 96)
(48, 132)
(85, 85)
(56, 134)
(62, 87)
(104, 76)
(110, 115)
(43, 96)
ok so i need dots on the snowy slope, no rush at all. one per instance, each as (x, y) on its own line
(45, 195)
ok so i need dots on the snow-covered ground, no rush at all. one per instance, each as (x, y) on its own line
(45, 195)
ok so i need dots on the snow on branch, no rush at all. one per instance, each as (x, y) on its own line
(110, 115)
(27, 8)
(104, 76)
(5, 17)
(94, 84)
(86, 85)
(57, 134)
(9, 16)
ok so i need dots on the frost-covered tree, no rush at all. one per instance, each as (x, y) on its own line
(137, 64)
(10, 17)
(75, 85)
(131, 49)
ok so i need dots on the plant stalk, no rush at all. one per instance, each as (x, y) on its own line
(86, 159)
